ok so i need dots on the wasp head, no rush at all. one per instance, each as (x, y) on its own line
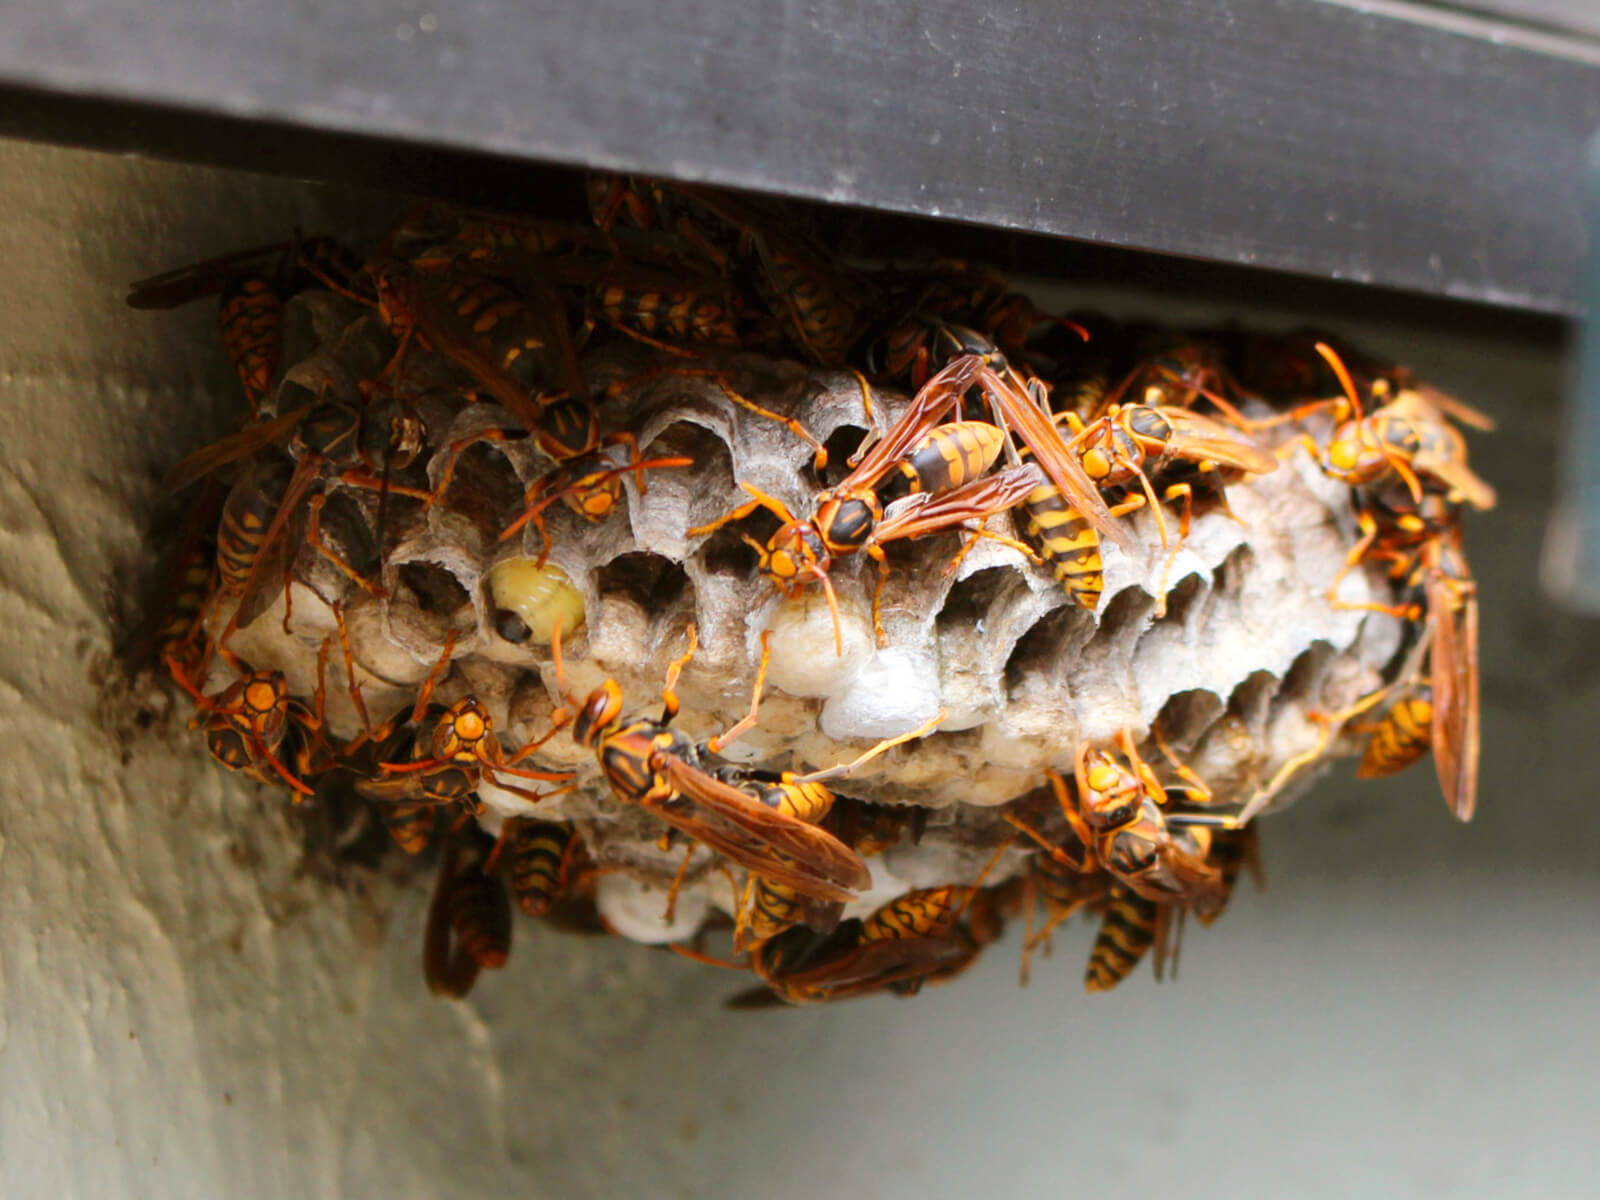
(600, 714)
(793, 556)
(461, 730)
(1110, 794)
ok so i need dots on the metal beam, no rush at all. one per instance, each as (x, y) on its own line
(1440, 157)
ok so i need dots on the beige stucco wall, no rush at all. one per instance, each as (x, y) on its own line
(1410, 1009)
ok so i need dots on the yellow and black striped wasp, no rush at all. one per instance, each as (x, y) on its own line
(1405, 436)
(815, 304)
(768, 907)
(648, 763)
(1134, 925)
(846, 516)
(255, 727)
(539, 859)
(928, 935)
(1436, 706)
(276, 505)
(1129, 443)
(253, 285)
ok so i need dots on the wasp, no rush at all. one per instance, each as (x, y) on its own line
(255, 727)
(410, 803)
(1438, 707)
(469, 923)
(443, 769)
(253, 286)
(539, 858)
(648, 763)
(276, 504)
(1400, 737)
(846, 516)
(1405, 436)
(927, 514)
(1132, 925)
(1117, 812)
(700, 317)
(632, 203)
(1180, 375)
(171, 627)
(961, 310)
(819, 306)
(522, 355)
(770, 907)
(913, 940)
(870, 828)
(520, 352)
(490, 241)
(1129, 443)
(461, 751)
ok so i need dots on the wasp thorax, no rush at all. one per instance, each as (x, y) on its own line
(845, 523)
(469, 722)
(264, 695)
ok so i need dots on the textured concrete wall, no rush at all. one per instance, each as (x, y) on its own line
(1408, 1011)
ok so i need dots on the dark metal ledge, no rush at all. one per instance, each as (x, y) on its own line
(1435, 157)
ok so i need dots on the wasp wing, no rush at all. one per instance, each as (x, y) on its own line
(259, 435)
(1199, 437)
(1453, 614)
(970, 502)
(873, 966)
(179, 286)
(1038, 432)
(761, 839)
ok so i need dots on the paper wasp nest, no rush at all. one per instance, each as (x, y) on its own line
(1246, 648)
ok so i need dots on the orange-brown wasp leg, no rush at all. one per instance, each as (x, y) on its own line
(922, 730)
(820, 459)
(457, 448)
(1339, 403)
(314, 537)
(677, 883)
(1197, 792)
(528, 748)
(866, 400)
(1030, 899)
(655, 343)
(747, 721)
(1329, 722)
(761, 500)
(669, 687)
(353, 686)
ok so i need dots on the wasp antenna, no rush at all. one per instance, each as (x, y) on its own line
(1331, 357)
(833, 609)
(560, 665)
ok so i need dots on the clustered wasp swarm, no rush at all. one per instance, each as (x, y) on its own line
(1057, 437)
